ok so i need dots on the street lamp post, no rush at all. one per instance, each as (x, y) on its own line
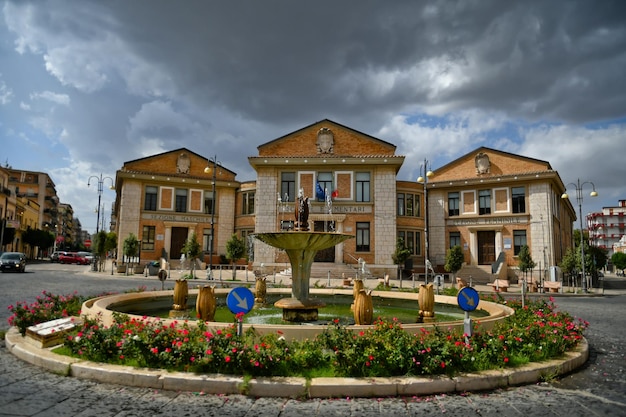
(579, 199)
(425, 174)
(100, 180)
(212, 170)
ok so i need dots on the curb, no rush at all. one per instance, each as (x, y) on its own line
(293, 387)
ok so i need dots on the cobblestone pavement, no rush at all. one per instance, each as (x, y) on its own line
(597, 389)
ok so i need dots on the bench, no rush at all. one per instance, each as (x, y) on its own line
(552, 286)
(500, 285)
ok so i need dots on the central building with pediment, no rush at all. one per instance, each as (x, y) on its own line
(488, 202)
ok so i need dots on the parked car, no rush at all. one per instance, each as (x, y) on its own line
(13, 261)
(55, 256)
(87, 255)
(73, 258)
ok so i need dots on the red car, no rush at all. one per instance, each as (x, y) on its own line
(73, 258)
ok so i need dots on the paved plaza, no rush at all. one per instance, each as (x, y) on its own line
(596, 389)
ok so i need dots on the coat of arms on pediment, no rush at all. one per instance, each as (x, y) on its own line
(183, 163)
(482, 163)
(325, 140)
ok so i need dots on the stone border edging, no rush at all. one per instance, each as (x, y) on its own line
(292, 387)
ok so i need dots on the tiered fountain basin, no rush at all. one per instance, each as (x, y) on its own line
(103, 309)
(301, 247)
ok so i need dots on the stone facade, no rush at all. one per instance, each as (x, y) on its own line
(163, 199)
(359, 177)
(502, 203)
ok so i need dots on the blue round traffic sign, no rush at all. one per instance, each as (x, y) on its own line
(468, 299)
(240, 300)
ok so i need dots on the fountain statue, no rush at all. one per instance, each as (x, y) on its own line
(301, 245)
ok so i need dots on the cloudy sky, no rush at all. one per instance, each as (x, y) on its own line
(86, 85)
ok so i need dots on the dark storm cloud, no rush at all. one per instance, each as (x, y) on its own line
(103, 82)
(276, 60)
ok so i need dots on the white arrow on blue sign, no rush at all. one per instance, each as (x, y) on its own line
(240, 300)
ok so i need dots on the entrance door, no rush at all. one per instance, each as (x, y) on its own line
(486, 247)
(179, 237)
(325, 255)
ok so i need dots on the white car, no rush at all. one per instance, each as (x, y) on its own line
(87, 255)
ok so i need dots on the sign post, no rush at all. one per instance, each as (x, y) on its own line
(468, 300)
(240, 300)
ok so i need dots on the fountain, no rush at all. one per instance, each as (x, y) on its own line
(301, 245)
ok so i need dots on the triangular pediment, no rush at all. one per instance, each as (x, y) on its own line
(325, 138)
(485, 163)
(179, 162)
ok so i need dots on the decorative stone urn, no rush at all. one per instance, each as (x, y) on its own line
(426, 300)
(260, 291)
(206, 303)
(363, 308)
(181, 293)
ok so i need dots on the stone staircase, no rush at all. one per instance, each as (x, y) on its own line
(480, 274)
(320, 270)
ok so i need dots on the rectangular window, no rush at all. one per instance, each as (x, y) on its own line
(363, 186)
(150, 198)
(519, 240)
(147, 238)
(453, 204)
(288, 186)
(362, 236)
(248, 203)
(325, 181)
(181, 200)
(409, 204)
(402, 236)
(455, 239)
(401, 203)
(409, 243)
(206, 235)
(208, 202)
(484, 202)
(518, 196)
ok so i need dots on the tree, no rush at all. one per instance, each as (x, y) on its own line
(131, 246)
(111, 241)
(235, 249)
(570, 261)
(29, 237)
(8, 233)
(191, 249)
(619, 260)
(454, 260)
(525, 260)
(401, 255)
(100, 249)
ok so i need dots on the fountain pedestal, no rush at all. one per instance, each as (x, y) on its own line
(301, 247)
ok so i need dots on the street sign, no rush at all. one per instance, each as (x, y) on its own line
(240, 300)
(87, 243)
(468, 299)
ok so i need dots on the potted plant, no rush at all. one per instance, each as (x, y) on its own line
(131, 246)
(454, 261)
(235, 249)
(191, 249)
(401, 255)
